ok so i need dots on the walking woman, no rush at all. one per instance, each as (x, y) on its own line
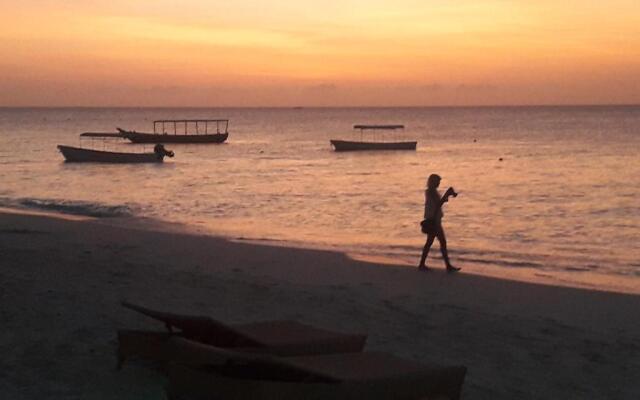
(432, 223)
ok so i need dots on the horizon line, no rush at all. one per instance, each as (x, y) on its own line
(330, 107)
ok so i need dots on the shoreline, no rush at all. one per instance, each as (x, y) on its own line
(595, 281)
(577, 279)
(63, 281)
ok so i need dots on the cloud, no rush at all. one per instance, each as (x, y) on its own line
(475, 88)
(322, 87)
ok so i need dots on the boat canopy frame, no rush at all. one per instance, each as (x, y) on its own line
(374, 128)
(222, 126)
(92, 137)
(108, 140)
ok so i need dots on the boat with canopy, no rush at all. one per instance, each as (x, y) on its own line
(375, 140)
(181, 131)
(83, 154)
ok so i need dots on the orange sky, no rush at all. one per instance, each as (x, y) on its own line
(324, 53)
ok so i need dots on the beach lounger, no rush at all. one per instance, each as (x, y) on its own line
(204, 372)
(282, 338)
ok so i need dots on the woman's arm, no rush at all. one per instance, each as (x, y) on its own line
(445, 197)
(433, 202)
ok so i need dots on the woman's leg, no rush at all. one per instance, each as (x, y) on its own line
(443, 248)
(425, 250)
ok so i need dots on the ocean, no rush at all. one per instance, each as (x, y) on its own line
(546, 194)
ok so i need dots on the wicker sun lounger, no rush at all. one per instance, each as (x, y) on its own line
(274, 337)
(207, 372)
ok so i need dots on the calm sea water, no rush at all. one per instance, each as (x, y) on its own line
(545, 193)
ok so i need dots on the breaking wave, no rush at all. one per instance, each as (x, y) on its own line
(84, 208)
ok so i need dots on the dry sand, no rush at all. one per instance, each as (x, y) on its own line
(61, 283)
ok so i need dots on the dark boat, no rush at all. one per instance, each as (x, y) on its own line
(374, 143)
(79, 154)
(347, 145)
(184, 131)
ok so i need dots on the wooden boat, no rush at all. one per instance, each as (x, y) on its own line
(79, 154)
(346, 145)
(375, 143)
(184, 131)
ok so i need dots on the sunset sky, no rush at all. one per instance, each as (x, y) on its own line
(318, 53)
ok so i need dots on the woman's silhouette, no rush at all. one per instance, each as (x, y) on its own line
(432, 223)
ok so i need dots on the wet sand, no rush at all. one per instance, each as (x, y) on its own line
(62, 281)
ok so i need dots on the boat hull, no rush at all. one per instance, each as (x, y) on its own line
(139, 137)
(77, 154)
(347, 145)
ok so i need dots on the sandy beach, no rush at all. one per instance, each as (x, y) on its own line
(62, 281)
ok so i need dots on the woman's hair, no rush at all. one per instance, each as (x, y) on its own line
(433, 181)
